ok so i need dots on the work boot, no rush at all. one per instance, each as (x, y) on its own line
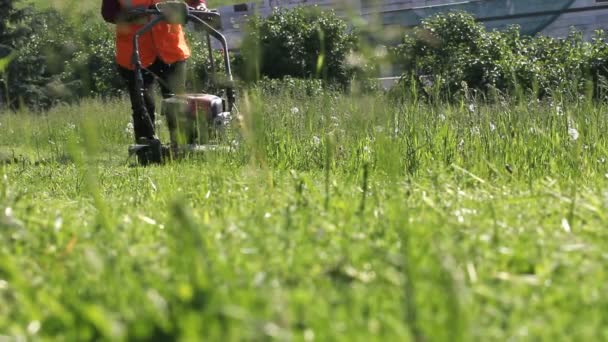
(146, 140)
(149, 151)
(142, 127)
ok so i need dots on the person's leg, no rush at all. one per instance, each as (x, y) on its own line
(154, 71)
(173, 82)
(149, 97)
(141, 127)
(173, 78)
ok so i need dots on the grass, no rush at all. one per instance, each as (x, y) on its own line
(337, 218)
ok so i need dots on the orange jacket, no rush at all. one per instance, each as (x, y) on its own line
(164, 41)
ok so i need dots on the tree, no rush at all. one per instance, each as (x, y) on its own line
(14, 30)
(11, 30)
(9, 16)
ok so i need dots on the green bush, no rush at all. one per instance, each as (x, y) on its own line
(91, 70)
(304, 42)
(294, 87)
(16, 26)
(451, 54)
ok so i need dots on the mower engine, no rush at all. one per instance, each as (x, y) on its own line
(195, 119)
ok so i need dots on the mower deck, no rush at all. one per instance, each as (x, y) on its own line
(146, 155)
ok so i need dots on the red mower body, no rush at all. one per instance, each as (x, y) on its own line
(191, 117)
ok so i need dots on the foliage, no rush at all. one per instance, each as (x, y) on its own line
(15, 27)
(62, 61)
(12, 29)
(450, 54)
(91, 70)
(296, 87)
(304, 42)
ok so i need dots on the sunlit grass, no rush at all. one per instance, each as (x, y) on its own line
(338, 217)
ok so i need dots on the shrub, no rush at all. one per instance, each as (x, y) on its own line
(304, 42)
(63, 61)
(16, 26)
(450, 54)
(91, 70)
(294, 87)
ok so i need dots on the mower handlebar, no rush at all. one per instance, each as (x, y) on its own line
(209, 15)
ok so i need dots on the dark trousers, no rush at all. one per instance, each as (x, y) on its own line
(172, 80)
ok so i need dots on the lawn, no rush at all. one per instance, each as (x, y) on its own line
(335, 217)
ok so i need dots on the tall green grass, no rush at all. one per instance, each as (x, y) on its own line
(336, 218)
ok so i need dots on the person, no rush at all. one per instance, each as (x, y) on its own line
(163, 51)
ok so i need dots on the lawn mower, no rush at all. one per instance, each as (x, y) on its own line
(195, 120)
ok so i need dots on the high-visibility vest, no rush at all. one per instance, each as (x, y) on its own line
(165, 41)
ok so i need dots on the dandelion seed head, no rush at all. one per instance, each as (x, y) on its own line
(58, 223)
(33, 327)
(573, 133)
(461, 144)
(129, 129)
(426, 81)
(570, 123)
